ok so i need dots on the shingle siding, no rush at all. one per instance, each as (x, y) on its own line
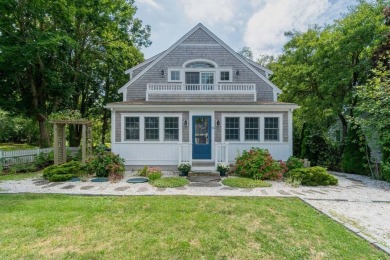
(199, 36)
(183, 53)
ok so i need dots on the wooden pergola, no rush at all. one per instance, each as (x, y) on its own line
(60, 139)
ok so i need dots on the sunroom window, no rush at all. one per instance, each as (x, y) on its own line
(171, 129)
(151, 128)
(252, 128)
(131, 128)
(232, 128)
(271, 129)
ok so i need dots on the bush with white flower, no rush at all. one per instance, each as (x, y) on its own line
(223, 167)
(184, 167)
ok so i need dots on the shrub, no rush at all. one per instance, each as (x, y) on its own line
(43, 160)
(184, 167)
(294, 163)
(385, 169)
(170, 182)
(312, 176)
(64, 172)
(245, 183)
(105, 163)
(21, 168)
(150, 172)
(258, 164)
(154, 176)
(354, 158)
(143, 172)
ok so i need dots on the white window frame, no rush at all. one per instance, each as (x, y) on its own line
(170, 74)
(280, 125)
(261, 117)
(225, 70)
(239, 128)
(139, 128)
(142, 127)
(178, 129)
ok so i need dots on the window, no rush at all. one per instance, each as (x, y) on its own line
(271, 129)
(131, 128)
(225, 75)
(151, 129)
(207, 78)
(232, 128)
(252, 128)
(200, 64)
(175, 75)
(171, 130)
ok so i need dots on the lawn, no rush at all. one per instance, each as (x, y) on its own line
(179, 227)
(13, 146)
(19, 176)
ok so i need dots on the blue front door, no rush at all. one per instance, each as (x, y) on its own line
(201, 137)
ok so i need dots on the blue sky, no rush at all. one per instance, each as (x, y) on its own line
(259, 24)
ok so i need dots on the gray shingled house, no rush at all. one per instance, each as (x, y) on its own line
(199, 102)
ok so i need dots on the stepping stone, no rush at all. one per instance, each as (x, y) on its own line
(68, 187)
(100, 180)
(319, 192)
(354, 180)
(122, 188)
(52, 185)
(180, 188)
(246, 190)
(263, 192)
(137, 180)
(282, 192)
(142, 189)
(308, 191)
(87, 187)
(296, 192)
(204, 184)
(40, 183)
(161, 189)
(228, 188)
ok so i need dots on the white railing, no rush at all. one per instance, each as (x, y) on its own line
(185, 153)
(221, 153)
(9, 158)
(226, 87)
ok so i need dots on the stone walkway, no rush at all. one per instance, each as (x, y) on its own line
(358, 202)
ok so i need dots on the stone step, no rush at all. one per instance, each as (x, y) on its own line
(203, 173)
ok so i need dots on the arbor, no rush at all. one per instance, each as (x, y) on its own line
(66, 54)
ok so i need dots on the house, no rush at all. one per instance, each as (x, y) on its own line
(199, 102)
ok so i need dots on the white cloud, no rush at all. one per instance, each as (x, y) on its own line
(209, 12)
(151, 3)
(264, 31)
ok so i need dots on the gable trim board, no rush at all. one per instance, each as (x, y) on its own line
(181, 40)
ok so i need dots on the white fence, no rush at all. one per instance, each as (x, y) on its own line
(9, 158)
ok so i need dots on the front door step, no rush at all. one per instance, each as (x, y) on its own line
(204, 178)
(204, 173)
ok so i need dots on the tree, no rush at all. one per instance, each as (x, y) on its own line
(246, 52)
(266, 60)
(55, 54)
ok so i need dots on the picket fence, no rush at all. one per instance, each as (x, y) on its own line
(9, 158)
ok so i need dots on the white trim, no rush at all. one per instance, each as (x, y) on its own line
(143, 63)
(267, 71)
(199, 60)
(199, 44)
(235, 54)
(225, 70)
(201, 107)
(161, 126)
(169, 75)
(261, 117)
(113, 132)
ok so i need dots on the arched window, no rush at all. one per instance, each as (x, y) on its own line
(200, 64)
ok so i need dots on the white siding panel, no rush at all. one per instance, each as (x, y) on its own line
(148, 153)
(279, 151)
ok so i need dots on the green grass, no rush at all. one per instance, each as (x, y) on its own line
(245, 183)
(19, 176)
(171, 227)
(169, 182)
(13, 146)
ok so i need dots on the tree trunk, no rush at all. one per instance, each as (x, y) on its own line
(105, 125)
(44, 140)
(106, 112)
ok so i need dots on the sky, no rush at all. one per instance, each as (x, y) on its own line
(258, 24)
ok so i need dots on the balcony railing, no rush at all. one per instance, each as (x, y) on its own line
(191, 89)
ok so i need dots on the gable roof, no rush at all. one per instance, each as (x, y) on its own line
(257, 65)
(159, 57)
